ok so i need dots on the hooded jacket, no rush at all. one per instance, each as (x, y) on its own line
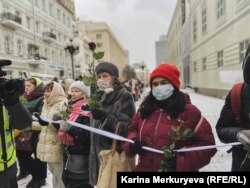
(49, 148)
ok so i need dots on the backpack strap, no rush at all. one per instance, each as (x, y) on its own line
(236, 101)
(198, 124)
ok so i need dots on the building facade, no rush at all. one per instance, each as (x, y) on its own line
(220, 34)
(211, 48)
(33, 34)
(161, 49)
(107, 42)
(174, 40)
(84, 57)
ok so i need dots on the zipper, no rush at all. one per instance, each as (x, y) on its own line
(140, 133)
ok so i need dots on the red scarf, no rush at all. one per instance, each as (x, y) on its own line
(76, 110)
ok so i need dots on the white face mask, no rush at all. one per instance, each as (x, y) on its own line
(163, 92)
(103, 84)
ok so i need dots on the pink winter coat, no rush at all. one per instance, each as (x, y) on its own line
(154, 131)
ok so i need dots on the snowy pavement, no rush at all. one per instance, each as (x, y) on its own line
(23, 182)
(210, 108)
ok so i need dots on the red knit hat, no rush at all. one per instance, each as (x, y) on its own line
(168, 71)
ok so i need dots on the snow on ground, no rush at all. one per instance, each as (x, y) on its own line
(211, 108)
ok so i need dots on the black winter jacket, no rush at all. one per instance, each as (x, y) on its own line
(227, 128)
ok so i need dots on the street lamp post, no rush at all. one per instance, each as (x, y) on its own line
(72, 49)
(142, 66)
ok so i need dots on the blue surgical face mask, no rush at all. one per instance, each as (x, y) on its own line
(163, 92)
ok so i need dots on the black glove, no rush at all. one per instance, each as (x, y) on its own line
(170, 164)
(41, 122)
(99, 114)
(56, 117)
(85, 108)
(244, 138)
(136, 147)
(56, 125)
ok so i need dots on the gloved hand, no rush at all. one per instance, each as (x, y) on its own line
(244, 138)
(64, 126)
(136, 147)
(41, 122)
(170, 164)
(85, 108)
(56, 117)
(99, 114)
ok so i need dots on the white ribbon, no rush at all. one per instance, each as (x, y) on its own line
(120, 138)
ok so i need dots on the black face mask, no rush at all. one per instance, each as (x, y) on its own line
(246, 66)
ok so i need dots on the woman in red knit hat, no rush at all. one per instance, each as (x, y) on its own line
(165, 113)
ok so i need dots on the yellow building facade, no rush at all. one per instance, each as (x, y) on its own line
(107, 42)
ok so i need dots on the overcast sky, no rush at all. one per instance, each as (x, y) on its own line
(136, 23)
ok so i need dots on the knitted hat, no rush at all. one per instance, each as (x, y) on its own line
(80, 85)
(107, 67)
(168, 71)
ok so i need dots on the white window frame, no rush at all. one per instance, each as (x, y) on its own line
(19, 47)
(204, 19)
(7, 44)
(242, 49)
(220, 58)
(220, 9)
(204, 64)
(194, 28)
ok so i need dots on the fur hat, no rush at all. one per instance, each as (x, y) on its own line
(107, 67)
(168, 71)
(80, 85)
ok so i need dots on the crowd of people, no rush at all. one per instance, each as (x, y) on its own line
(161, 122)
(135, 86)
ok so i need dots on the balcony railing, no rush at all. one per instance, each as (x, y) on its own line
(48, 36)
(35, 59)
(11, 20)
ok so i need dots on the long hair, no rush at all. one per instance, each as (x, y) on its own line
(174, 105)
(116, 82)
